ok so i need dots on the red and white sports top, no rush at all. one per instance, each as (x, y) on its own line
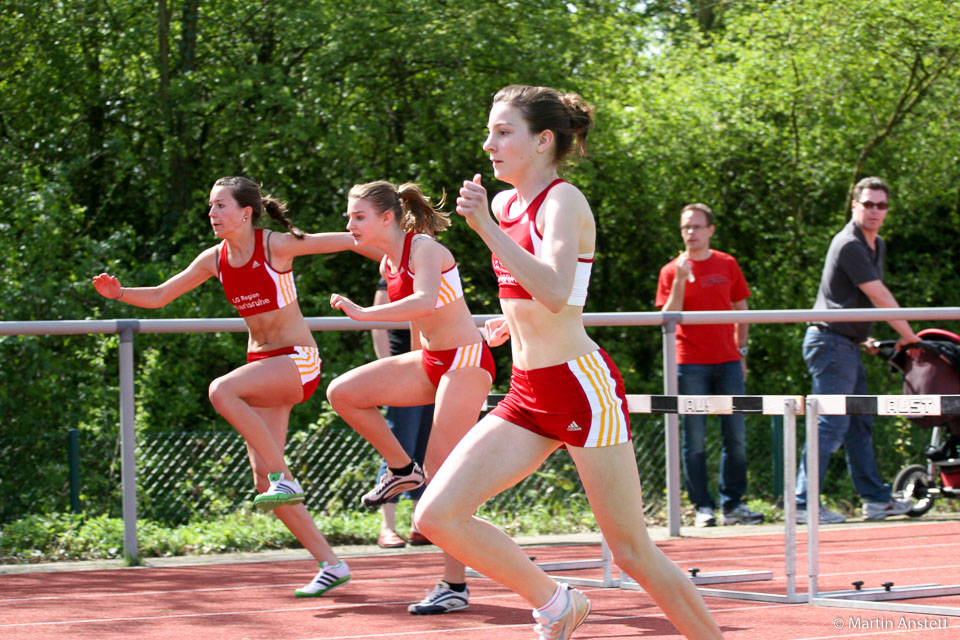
(255, 287)
(400, 283)
(523, 229)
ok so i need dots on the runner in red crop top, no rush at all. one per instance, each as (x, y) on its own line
(400, 282)
(283, 364)
(564, 390)
(449, 365)
(255, 287)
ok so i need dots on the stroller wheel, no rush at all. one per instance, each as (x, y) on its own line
(913, 483)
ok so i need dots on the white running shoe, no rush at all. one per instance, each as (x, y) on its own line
(281, 492)
(563, 626)
(326, 579)
(442, 599)
(391, 485)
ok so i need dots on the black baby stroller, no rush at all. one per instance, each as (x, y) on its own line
(931, 367)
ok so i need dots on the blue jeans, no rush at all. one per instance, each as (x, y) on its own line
(836, 368)
(411, 428)
(725, 379)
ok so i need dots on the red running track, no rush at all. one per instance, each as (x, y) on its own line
(254, 601)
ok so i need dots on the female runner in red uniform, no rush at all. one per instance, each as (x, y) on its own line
(283, 365)
(564, 389)
(449, 366)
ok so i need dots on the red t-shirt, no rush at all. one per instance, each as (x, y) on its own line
(718, 283)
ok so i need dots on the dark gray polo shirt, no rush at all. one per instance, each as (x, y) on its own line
(850, 262)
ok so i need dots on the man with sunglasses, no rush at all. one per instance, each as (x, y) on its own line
(852, 279)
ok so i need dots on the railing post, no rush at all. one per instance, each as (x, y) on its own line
(127, 329)
(671, 422)
(73, 461)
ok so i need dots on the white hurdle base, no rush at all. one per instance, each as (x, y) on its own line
(877, 599)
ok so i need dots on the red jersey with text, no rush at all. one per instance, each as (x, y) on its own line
(522, 228)
(718, 283)
(400, 282)
(255, 287)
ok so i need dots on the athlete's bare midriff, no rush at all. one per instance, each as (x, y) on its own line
(448, 327)
(285, 327)
(540, 338)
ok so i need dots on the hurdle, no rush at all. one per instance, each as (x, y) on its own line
(881, 598)
(788, 407)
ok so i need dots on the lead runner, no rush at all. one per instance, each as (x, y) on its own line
(564, 389)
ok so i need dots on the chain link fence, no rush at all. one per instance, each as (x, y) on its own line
(186, 476)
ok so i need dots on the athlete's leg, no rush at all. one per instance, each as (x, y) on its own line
(270, 382)
(296, 517)
(397, 381)
(460, 397)
(612, 485)
(493, 456)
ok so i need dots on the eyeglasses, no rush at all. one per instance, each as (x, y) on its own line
(692, 227)
(869, 204)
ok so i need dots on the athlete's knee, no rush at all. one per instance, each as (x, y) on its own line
(434, 515)
(219, 393)
(338, 392)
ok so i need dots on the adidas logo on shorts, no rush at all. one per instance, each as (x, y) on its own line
(256, 263)
(574, 427)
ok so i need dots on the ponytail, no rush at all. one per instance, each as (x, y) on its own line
(419, 215)
(278, 210)
(410, 207)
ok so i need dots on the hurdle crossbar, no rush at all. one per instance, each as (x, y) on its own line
(884, 599)
(788, 407)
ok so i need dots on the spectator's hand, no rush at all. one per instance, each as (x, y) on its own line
(743, 367)
(684, 268)
(906, 341)
(496, 331)
(870, 346)
(107, 286)
(346, 305)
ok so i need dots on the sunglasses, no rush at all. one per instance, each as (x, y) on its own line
(869, 204)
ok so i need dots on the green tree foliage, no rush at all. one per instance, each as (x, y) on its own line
(116, 118)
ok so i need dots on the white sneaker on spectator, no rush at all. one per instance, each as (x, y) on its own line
(880, 510)
(704, 517)
(826, 516)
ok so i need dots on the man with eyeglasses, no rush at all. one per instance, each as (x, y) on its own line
(710, 362)
(852, 279)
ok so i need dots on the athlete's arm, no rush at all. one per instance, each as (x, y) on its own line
(426, 259)
(203, 267)
(286, 246)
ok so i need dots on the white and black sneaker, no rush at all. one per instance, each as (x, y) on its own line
(281, 492)
(326, 579)
(442, 599)
(391, 485)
